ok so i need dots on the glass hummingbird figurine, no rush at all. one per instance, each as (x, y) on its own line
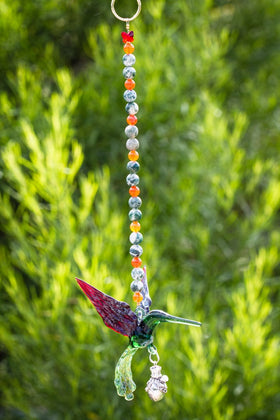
(139, 327)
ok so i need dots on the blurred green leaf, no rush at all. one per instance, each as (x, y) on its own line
(209, 132)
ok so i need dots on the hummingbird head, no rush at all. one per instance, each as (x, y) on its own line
(156, 316)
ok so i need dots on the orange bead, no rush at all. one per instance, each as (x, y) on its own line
(134, 191)
(128, 48)
(129, 84)
(135, 226)
(137, 297)
(131, 120)
(136, 262)
(133, 155)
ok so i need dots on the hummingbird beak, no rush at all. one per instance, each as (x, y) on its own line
(157, 316)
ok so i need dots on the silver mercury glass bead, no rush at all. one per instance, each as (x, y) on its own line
(156, 385)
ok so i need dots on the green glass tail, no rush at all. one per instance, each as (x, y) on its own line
(123, 375)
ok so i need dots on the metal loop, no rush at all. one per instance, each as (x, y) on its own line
(153, 352)
(155, 362)
(126, 19)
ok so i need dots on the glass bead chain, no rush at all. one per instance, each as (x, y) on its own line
(132, 144)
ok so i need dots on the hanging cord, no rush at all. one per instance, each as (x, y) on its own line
(132, 144)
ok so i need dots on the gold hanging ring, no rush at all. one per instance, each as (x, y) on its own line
(126, 19)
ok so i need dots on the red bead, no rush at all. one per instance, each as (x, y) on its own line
(128, 36)
(134, 191)
(136, 262)
(131, 120)
(133, 155)
(129, 84)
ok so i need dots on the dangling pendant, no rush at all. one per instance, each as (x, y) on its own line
(156, 385)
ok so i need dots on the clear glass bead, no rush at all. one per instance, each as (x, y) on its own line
(130, 95)
(134, 214)
(140, 313)
(132, 144)
(132, 179)
(135, 202)
(132, 108)
(136, 285)
(129, 60)
(133, 166)
(136, 238)
(131, 131)
(136, 251)
(129, 72)
(137, 273)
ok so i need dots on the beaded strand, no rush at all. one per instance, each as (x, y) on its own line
(132, 144)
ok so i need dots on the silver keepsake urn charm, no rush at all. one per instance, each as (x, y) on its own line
(156, 385)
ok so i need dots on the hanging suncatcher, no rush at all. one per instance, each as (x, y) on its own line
(118, 316)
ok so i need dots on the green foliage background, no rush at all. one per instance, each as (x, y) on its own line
(208, 90)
